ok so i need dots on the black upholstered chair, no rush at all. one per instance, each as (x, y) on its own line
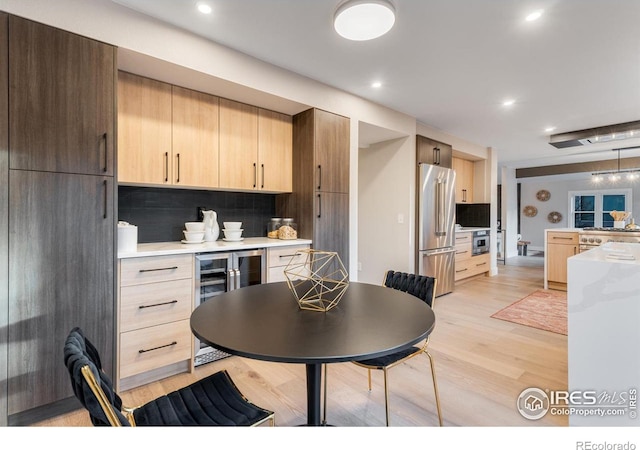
(213, 401)
(424, 288)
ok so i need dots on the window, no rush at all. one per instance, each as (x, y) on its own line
(592, 208)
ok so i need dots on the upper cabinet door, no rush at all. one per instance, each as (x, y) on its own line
(195, 138)
(144, 130)
(238, 145)
(433, 152)
(331, 152)
(62, 100)
(274, 151)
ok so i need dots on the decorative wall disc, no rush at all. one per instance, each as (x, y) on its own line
(543, 195)
(530, 211)
(554, 217)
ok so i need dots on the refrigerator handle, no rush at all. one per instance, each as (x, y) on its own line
(440, 225)
(231, 280)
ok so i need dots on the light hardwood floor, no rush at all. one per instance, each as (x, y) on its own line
(482, 365)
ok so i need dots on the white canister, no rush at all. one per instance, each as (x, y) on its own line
(127, 237)
(619, 224)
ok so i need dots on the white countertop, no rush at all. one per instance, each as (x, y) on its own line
(574, 230)
(175, 248)
(612, 252)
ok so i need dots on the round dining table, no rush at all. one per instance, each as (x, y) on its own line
(264, 322)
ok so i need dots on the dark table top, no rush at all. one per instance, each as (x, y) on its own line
(264, 322)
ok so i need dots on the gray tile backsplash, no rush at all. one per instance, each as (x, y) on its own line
(160, 213)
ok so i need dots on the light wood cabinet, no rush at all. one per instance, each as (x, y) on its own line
(144, 130)
(58, 101)
(464, 179)
(195, 158)
(279, 257)
(466, 264)
(560, 245)
(275, 151)
(433, 152)
(238, 145)
(154, 303)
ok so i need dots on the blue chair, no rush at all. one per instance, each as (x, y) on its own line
(213, 401)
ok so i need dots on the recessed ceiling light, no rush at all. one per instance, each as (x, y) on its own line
(376, 84)
(204, 8)
(534, 15)
(549, 129)
(509, 102)
(361, 20)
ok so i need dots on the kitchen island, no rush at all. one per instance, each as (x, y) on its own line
(604, 336)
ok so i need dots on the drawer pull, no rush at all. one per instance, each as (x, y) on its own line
(565, 238)
(460, 253)
(157, 304)
(155, 270)
(288, 256)
(463, 270)
(481, 264)
(157, 348)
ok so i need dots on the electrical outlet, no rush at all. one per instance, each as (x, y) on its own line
(400, 218)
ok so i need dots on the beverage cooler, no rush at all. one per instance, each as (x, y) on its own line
(217, 273)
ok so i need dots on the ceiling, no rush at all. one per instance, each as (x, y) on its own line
(452, 63)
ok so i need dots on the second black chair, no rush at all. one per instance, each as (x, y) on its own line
(214, 400)
(424, 288)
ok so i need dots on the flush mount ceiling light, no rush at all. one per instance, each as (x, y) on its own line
(204, 8)
(361, 20)
(534, 15)
(610, 133)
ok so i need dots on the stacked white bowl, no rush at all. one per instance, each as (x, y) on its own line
(232, 231)
(194, 232)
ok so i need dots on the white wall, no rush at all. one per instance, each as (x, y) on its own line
(532, 228)
(510, 211)
(386, 198)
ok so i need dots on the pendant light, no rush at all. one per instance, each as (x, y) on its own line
(616, 175)
(362, 20)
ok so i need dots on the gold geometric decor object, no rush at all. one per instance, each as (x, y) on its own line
(318, 280)
(530, 211)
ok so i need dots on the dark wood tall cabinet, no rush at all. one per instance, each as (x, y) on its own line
(61, 205)
(433, 152)
(4, 212)
(320, 199)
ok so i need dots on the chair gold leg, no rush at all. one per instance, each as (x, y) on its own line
(386, 395)
(324, 407)
(435, 386)
(369, 378)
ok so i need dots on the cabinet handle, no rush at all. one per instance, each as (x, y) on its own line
(460, 253)
(262, 185)
(104, 212)
(287, 256)
(481, 264)
(106, 156)
(178, 176)
(319, 206)
(319, 177)
(255, 175)
(166, 167)
(157, 304)
(435, 156)
(463, 270)
(464, 195)
(157, 348)
(155, 270)
(565, 238)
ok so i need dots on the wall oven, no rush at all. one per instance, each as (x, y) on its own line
(216, 273)
(480, 243)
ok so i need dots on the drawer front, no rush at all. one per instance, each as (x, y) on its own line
(152, 304)
(463, 251)
(281, 256)
(155, 268)
(559, 237)
(472, 266)
(160, 345)
(462, 238)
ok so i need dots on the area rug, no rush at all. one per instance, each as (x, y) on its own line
(545, 310)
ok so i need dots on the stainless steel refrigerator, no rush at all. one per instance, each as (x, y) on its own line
(436, 225)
